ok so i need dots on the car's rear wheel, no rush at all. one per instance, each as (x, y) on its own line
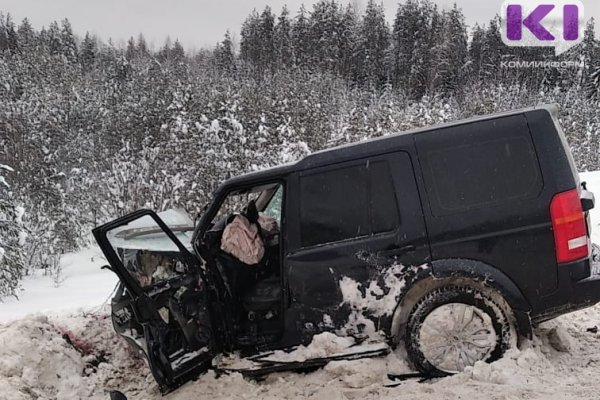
(453, 327)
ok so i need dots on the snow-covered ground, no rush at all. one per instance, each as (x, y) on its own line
(81, 285)
(69, 351)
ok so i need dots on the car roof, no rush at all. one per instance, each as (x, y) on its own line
(365, 148)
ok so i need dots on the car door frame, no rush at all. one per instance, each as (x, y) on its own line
(145, 312)
(205, 225)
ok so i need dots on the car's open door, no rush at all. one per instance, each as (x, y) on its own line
(168, 290)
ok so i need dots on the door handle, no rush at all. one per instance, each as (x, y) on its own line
(397, 251)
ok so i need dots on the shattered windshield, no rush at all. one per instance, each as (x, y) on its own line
(147, 252)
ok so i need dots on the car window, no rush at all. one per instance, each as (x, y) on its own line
(235, 203)
(479, 165)
(347, 203)
(273, 209)
(384, 205)
(334, 206)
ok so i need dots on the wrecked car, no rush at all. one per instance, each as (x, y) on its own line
(448, 241)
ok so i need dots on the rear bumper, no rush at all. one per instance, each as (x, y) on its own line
(578, 287)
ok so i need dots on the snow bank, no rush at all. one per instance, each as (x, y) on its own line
(41, 359)
(37, 361)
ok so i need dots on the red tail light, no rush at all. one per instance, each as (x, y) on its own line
(568, 222)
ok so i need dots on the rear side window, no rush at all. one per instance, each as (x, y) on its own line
(347, 203)
(480, 164)
(384, 209)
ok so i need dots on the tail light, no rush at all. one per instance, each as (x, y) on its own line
(568, 222)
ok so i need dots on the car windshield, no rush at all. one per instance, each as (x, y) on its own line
(147, 252)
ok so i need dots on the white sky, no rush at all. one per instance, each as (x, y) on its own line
(196, 23)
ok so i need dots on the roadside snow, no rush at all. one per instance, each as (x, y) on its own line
(36, 361)
(82, 285)
(77, 355)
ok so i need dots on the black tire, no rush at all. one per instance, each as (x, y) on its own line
(455, 294)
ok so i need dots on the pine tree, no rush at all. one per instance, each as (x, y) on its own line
(53, 39)
(416, 32)
(267, 40)
(373, 44)
(88, 51)
(69, 46)
(131, 51)
(590, 52)
(177, 52)
(224, 56)
(300, 39)
(250, 46)
(324, 36)
(8, 35)
(349, 60)
(26, 34)
(492, 51)
(476, 52)
(284, 51)
(3, 36)
(451, 54)
(165, 52)
(142, 46)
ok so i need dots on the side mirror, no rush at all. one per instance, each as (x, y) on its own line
(116, 395)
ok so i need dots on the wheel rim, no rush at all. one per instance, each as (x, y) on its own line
(455, 336)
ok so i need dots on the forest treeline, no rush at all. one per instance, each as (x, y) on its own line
(90, 130)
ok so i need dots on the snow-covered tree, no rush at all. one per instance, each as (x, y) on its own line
(224, 57)
(284, 50)
(12, 238)
(373, 44)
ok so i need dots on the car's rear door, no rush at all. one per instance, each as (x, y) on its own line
(169, 294)
(353, 222)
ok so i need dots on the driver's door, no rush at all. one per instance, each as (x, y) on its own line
(168, 291)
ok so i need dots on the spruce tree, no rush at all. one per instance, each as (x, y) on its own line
(300, 39)
(373, 44)
(324, 35)
(131, 50)
(266, 39)
(451, 53)
(250, 46)
(476, 52)
(88, 51)
(349, 60)
(284, 50)
(224, 56)
(69, 45)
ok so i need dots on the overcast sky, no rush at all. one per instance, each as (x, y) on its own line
(196, 23)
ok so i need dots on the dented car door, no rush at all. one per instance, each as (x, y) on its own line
(357, 233)
(166, 291)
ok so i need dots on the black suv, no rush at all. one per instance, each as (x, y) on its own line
(449, 241)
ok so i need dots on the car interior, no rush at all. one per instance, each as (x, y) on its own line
(255, 290)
